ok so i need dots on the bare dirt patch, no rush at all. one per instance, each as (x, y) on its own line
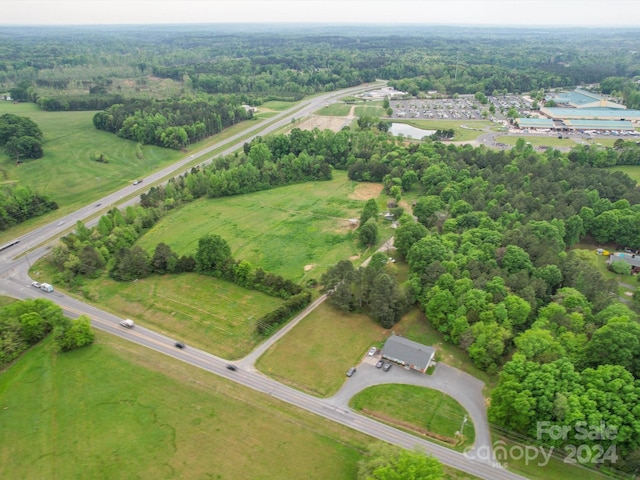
(309, 267)
(323, 123)
(365, 191)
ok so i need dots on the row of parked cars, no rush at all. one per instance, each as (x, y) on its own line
(385, 366)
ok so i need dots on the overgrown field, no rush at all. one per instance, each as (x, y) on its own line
(205, 312)
(315, 355)
(424, 409)
(296, 231)
(115, 410)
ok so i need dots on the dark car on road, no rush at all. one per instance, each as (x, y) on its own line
(351, 371)
(232, 368)
(379, 364)
(179, 345)
(387, 367)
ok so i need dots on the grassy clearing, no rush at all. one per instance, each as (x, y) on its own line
(324, 345)
(370, 111)
(296, 231)
(116, 410)
(205, 312)
(334, 110)
(67, 172)
(537, 141)
(419, 410)
(416, 327)
(632, 170)
(587, 252)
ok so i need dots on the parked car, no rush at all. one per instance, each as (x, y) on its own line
(351, 371)
(379, 364)
(179, 345)
(232, 367)
(387, 367)
(372, 351)
(35, 284)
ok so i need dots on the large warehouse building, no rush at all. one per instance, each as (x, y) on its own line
(581, 111)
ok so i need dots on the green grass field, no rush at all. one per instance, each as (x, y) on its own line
(632, 170)
(324, 345)
(276, 105)
(205, 312)
(416, 409)
(67, 172)
(296, 231)
(115, 410)
(370, 110)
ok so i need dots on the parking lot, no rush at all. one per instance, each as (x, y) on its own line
(465, 107)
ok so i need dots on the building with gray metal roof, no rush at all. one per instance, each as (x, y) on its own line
(406, 352)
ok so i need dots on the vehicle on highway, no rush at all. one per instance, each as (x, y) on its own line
(387, 367)
(179, 345)
(35, 284)
(46, 287)
(372, 351)
(351, 371)
(231, 367)
(136, 182)
(127, 323)
(379, 364)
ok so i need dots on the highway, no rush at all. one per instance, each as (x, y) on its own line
(15, 262)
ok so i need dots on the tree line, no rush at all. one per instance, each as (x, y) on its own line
(173, 123)
(24, 323)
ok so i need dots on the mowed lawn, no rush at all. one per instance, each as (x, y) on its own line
(67, 172)
(296, 231)
(417, 409)
(116, 410)
(315, 355)
(204, 312)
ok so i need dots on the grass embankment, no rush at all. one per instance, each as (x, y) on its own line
(370, 110)
(296, 231)
(315, 355)
(117, 410)
(419, 410)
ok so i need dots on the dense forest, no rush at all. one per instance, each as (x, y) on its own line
(75, 68)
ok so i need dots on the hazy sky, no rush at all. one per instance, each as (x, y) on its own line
(479, 12)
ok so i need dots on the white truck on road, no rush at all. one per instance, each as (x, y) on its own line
(127, 323)
(46, 287)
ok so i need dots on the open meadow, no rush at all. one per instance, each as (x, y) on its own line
(116, 410)
(323, 345)
(296, 231)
